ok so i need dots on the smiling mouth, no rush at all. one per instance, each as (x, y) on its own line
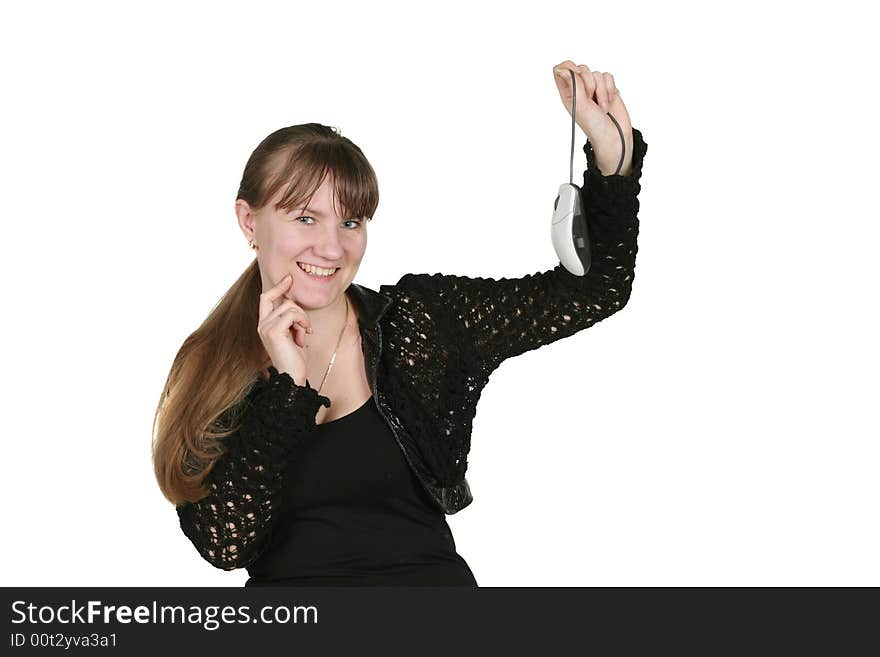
(319, 273)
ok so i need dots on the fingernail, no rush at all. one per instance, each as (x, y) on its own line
(309, 330)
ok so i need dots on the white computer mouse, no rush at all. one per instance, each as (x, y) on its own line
(568, 229)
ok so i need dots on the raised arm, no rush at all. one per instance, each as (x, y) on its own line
(233, 525)
(502, 318)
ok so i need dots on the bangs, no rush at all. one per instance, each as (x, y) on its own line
(302, 170)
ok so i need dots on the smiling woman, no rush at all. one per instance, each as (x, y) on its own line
(229, 439)
(352, 486)
(309, 166)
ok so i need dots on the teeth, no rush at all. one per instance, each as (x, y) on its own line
(316, 270)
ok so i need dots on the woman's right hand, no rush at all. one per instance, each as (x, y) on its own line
(282, 329)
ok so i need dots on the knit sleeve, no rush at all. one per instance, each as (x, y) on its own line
(499, 319)
(233, 525)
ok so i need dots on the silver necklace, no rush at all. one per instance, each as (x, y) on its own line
(338, 342)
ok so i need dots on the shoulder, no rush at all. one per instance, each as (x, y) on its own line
(407, 298)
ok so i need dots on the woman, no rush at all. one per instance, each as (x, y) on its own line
(349, 482)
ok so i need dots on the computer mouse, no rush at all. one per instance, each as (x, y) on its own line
(568, 230)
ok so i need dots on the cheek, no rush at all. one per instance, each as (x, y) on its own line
(288, 243)
(357, 247)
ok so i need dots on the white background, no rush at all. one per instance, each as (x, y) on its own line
(717, 431)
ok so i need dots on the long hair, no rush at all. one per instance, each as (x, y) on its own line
(220, 362)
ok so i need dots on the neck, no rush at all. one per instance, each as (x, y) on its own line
(327, 325)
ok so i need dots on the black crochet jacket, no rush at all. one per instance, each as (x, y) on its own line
(430, 343)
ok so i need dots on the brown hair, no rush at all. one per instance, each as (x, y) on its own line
(219, 362)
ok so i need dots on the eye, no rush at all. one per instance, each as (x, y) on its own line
(350, 221)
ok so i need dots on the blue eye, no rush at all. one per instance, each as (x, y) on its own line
(350, 221)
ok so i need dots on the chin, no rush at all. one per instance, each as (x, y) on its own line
(319, 292)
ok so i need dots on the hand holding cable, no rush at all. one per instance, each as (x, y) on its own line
(600, 113)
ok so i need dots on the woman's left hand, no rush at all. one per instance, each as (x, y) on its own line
(597, 95)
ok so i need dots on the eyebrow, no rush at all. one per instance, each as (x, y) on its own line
(316, 212)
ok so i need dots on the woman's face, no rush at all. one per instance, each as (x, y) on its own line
(314, 236)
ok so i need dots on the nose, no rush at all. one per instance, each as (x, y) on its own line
(328, 247)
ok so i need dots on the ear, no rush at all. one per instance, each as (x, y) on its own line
(246, 219)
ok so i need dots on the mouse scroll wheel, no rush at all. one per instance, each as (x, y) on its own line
(556, 203)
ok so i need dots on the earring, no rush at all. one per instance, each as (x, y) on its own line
(254, 246)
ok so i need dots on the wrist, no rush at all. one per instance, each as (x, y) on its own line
(298, 379)
(609, 168)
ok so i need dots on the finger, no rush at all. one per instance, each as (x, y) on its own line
(303, 322)
(268, 297)
(562, 73)
(561, 66)
(612, 88)
(299, 336)
(587, 79)
(564, 79)
(287, 320)
(288, 305)
(601, 91)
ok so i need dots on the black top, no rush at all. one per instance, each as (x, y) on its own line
(353, 514)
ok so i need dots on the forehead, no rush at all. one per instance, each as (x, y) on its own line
(322, 201)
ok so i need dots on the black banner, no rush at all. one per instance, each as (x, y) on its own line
(417, 621)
